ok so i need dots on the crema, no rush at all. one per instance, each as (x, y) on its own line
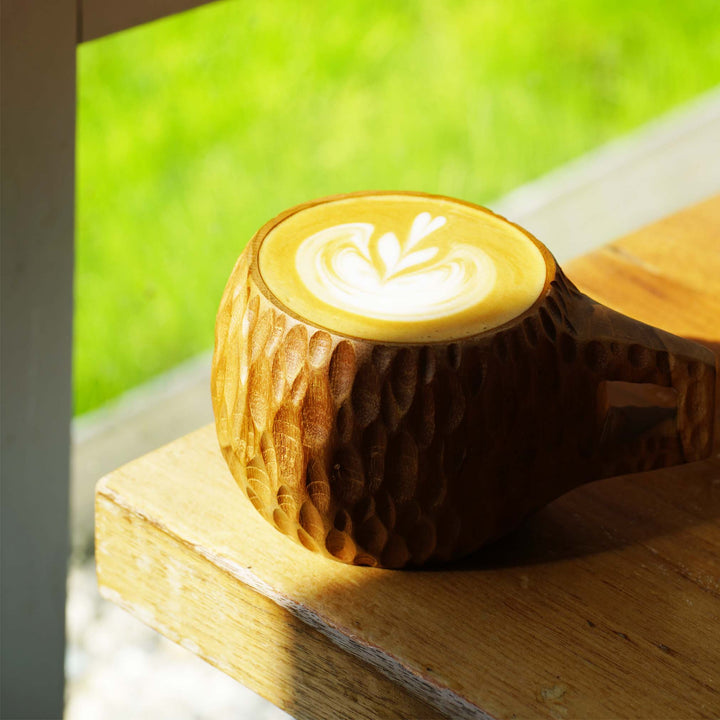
(402, 268)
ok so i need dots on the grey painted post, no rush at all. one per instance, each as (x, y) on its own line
(37, 145)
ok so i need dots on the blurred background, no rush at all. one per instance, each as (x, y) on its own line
(195, 130)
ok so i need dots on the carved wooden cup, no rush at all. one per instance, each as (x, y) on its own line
(401, 378)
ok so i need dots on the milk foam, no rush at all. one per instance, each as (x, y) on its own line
(400, 267)
(349, 267)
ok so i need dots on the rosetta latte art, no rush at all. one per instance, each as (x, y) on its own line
(348, 267)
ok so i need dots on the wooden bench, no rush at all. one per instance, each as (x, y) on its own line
(604, 604)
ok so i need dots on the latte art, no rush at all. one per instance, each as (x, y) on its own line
(350, 267)
(400, 267)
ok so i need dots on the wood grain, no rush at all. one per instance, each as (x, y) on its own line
(280, 656)
(413, 452)
(606, 603)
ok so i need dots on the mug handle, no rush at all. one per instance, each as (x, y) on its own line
(625, 355)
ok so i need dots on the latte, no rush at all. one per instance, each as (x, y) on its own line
(404, 268)
(460, 366)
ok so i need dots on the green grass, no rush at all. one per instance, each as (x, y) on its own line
(196, 130)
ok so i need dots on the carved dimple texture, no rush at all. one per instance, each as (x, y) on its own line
(320, 348)
(318, 412)
(366, 394)
(379, 455)
(342, 370)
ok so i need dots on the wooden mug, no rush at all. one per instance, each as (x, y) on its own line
(391, 447)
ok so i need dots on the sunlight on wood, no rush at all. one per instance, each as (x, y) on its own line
(598, 606)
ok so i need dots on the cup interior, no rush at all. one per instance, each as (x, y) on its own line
(400, 267)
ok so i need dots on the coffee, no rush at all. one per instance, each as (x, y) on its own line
(398, 432)
(401, 267)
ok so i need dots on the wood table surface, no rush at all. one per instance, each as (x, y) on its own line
(605, 604)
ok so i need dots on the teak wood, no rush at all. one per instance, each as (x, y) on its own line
(397, 454)
(606, 603)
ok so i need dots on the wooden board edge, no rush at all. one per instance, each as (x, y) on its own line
(415, 684)
(133, 554)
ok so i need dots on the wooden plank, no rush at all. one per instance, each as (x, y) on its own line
(600, 595)
(97, 18)
(665, 274)
(604, 604)
(282, 658)
(685, 247)
(37, 144)
(610, 278)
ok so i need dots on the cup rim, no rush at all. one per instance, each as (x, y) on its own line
(551, 267)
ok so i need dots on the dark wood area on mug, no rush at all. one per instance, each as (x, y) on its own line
(394, 455)
(605, 603)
